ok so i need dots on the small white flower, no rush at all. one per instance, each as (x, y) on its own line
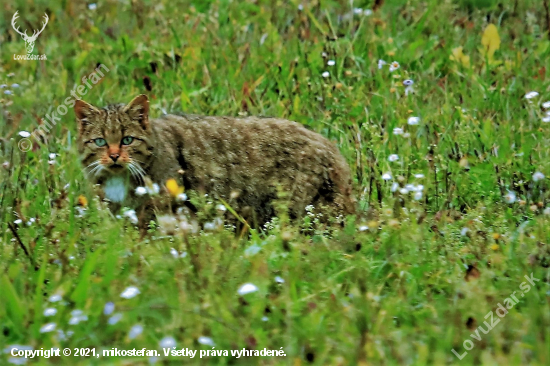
(546, 119)
(397, 131)
(531, 95)
(2, 86)
(418, 196)
(538, 176)
(182, 197)
(279, 279)
(92, 6)
(394, 66)
(52, 156)
(404, 191)
(55, 298)
(11, 74)
(49, 327)
(114, 319)
(141, 191)
(546, 105)
(135, 331)
(24, 134)
(50, 311)
(419, 176)
(130, 292)
(363, 228)
(367, 12)
(18, 222)
(8, 92)
(247, 288)
(464, 231)
(326, 74)
(413, 121)
(510, 197)
(15, 85)
(77, 316)
(175, 253)
(546, 211)
(418, 188)
(207, 341)
(154, 189)
(167, 342)
(265, 318)
(393, 157)
(108, 308)
(394, 187)
(409, 90)
(209, 226)
(408, 82)
(381, 64)
(221, 208)
(131, 215)
(358, 11)
(300, 7)
(386, 176)
(331, 62)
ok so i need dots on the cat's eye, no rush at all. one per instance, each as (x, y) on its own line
(100, 142)
(127, 140)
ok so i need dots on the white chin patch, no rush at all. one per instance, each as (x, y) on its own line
(115, 189)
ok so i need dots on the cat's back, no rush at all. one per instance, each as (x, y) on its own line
(252, 132)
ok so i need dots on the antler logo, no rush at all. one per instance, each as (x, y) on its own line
(29, 40)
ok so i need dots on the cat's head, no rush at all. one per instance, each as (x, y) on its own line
(115, 140)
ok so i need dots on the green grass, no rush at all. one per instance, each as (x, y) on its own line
(408, 290)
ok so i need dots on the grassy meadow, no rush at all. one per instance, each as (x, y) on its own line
(454, 204)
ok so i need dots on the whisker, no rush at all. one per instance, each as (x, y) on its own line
(96, 170)
(138, 167)
(91, 165)
(141, 174)
(135, 171)
(140, 170)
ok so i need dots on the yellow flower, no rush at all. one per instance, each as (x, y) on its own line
(490, 41)
(458, 56)
(173, 188)
(494, 246)
(82, 201)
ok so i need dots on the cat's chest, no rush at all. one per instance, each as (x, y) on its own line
(116, 189)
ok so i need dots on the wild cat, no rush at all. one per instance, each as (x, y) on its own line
(240, 160)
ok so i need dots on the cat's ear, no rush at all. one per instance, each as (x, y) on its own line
(138, 109)
(83, 111)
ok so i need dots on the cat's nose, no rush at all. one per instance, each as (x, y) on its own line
(114, 157)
